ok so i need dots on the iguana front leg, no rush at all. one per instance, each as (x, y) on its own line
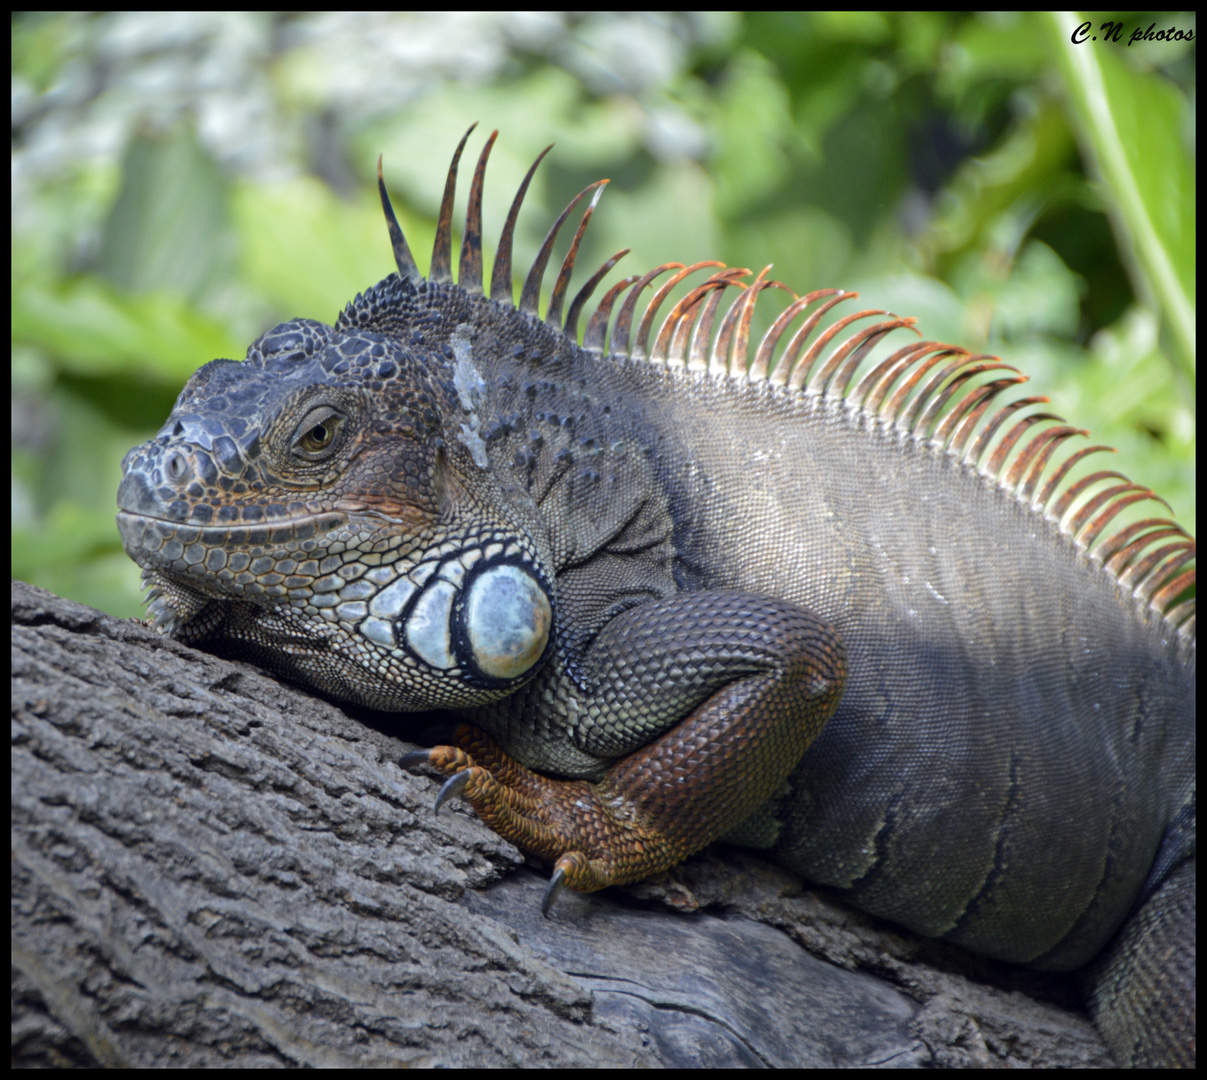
(719, 694)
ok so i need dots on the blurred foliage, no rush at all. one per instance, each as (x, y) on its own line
(1018, 194)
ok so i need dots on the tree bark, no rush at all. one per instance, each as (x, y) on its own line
(212, 868)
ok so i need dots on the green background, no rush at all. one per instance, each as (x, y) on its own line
(182, 182)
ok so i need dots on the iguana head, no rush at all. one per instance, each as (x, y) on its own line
(326, 504)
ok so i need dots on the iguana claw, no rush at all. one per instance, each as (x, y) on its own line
(453, 786)
(415, 757)
(556, 883)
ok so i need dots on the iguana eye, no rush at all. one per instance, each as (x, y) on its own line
(317, 432)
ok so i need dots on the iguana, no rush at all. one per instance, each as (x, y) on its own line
(683, 584)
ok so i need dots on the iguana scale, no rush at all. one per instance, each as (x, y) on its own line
(681, 584)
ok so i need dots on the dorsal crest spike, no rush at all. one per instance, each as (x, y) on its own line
(1002, 455)
(941, 413)
(914, 363)
(722, 349)
(442, 247)
(871, 390)
(530, 297)
(554, 315)
(1047, 496)
(596, 337)
(760, 367)
(822, 373)
(966, 415)
(621, 341)
(584, 294)
(799, 356)
(1104, 506)
(500, 276)
(670, 344)
(740, 358)
(403, 259)
(1047, 442)
(641, 345)
(470, 264)
(699, 355)
(858, 347)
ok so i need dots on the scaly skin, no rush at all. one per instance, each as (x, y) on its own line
(845, 607)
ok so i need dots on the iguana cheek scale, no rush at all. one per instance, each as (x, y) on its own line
(681, 583)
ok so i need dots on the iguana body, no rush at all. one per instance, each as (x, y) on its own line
(658, 571)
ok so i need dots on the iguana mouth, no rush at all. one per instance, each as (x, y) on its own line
(231, 561)
(252, 538)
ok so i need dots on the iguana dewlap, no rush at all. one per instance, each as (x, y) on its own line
(680, 583)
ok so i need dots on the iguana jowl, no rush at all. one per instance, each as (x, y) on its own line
(681, 584)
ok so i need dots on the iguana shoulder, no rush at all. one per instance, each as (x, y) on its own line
(684, 581)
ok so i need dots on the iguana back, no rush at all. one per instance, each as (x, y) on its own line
(664, 562)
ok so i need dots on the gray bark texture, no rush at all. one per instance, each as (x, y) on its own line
(212, 868)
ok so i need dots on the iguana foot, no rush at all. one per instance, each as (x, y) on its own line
(752, 680)
(592, 838)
